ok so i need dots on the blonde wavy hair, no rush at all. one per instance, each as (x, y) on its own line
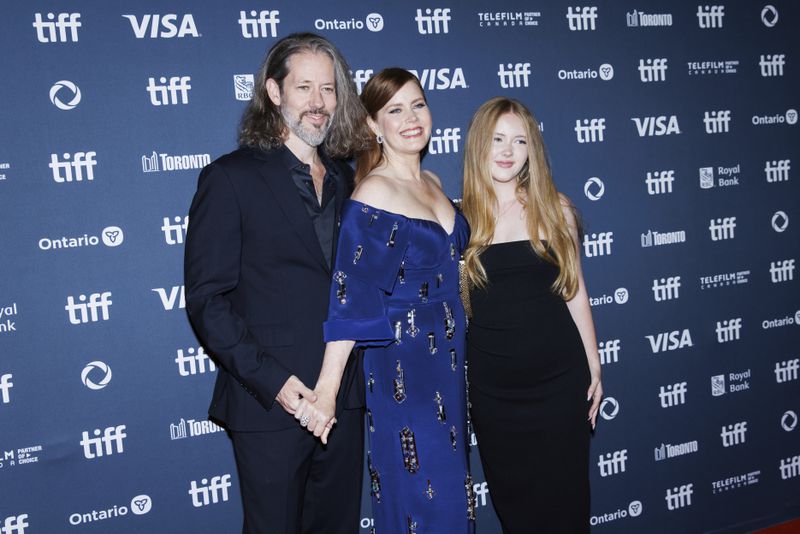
(535, 190)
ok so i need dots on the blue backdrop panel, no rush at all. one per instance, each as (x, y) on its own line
(671, 125)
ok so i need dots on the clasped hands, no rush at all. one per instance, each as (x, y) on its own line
(315, 410)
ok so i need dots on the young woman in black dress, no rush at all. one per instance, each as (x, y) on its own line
(534, 370)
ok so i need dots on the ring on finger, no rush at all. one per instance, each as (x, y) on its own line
(304, 420)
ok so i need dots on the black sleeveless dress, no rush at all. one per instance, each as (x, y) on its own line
(528, 377)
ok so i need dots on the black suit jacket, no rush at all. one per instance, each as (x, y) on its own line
(257, 287)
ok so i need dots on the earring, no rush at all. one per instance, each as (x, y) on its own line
(379, 139)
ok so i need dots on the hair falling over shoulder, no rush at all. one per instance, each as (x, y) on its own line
(535, 189)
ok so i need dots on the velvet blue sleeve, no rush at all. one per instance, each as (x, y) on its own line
(370, 250)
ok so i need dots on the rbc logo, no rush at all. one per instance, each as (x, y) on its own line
(82, 162)
(514, 76)
(46, 31)
(162, 26)
(260, 23)
(433, 21)
(444, 143)
(167, 93)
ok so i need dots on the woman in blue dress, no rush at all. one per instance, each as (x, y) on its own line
(395, 293)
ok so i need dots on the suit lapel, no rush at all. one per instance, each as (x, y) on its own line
(342, 192)
(277, 178)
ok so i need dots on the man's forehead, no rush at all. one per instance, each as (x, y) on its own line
(305, 64)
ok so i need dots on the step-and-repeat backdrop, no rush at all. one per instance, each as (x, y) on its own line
(671, 125)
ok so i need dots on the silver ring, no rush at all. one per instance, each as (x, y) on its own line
(304, 420)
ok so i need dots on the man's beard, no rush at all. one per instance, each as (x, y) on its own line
(311, 135)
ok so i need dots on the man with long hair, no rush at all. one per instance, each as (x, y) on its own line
(258, 262)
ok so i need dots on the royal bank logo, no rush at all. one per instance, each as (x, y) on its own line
(15, 524)
(655, 239)
(727, 176)
(735, 482)
(372, 22)
(208, 492)
(89, 309)
(657, 126)
(441, 78)
(769, 16)
(96, 375)
(679, 497)
(65, 95)
(620, 296)
(598, 244)
(717, 121)
(771, 65)
(734, 434)
(73, 167)
(637, 19)
(514, 75)
(58, 28)
(790, 118)
(158, 162)
(609, 408)
(786, 371)
(444, 141)
(666, 288)
(243, 86)
(724, 279)
(4, 166)
(781, 271)
(5, 388)
(712, 66)
(729, 330)
(653, 70)
(612, 463)
(659, 182)
(259, 24)
(433, 21)
(194, 361)
(672, 395)
(171, 297)
(110, 236)
(710, 17)
(594, 188)
(105, 442)
(191, 428)
(669, 341)
(666, 450)
(590, 130)
(605, 72)
(170, 91)
(582, 18)
(789, 467)
(514, 19)
(718, 385)
(175, 230)
(789, 420)
(722, 228)
(730, 383)
(165, 26)
(609, 351)
(782, 321)
(777, 170)
(6, 324)
(634, 509)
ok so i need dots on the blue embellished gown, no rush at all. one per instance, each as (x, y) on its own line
(395, 291)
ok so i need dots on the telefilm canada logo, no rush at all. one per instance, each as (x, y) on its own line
(509, 19)
(735, 482)
(732, 278)
(703, 67)
(20, 456)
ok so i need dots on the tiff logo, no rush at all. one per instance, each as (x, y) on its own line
(109, 443)
(613, 463)
(82, 162)
(722, 228)
(46, 31)
(710, 16)
(717, 121)
(590, 130)
(210, 492)
(772, 64)
(433, 21)
(5, 387)
(177, 295)
(15, 524)
(193, 362)
(781, 271)
(777, 171)
(790, 467)
(609, 351)
(582, 18)
(672, 395)
(444, 142)
(733, 434)
(729, 330)
(659, 182)
(513, 76)
(85, 312)
(598, 244)
(653, 70)
(666, 288)
(174, 234)
(786, 371)
(167, 93)
(360, 77)
(481, 491)
(260, 23)
(679, 497)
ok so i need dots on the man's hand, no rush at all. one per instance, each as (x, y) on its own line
(292, 392)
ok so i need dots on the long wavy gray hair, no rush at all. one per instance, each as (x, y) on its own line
(262, 125)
